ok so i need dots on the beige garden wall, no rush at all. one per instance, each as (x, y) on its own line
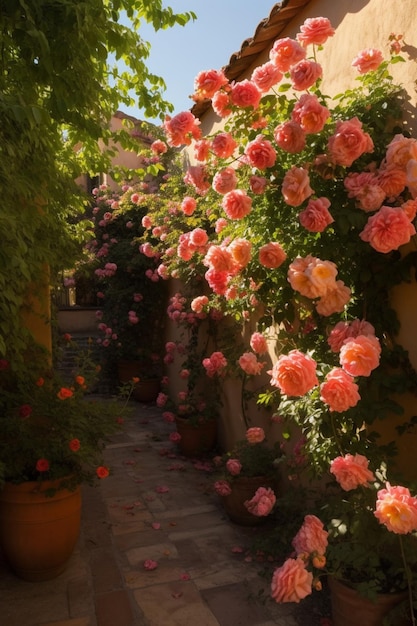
(359, 24)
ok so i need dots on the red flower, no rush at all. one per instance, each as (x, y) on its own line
(42, 465)
(80, 380)
(74, 445)
(64, 393)
(40, 382)
(25, 410)
(102, 472)
(67, 337)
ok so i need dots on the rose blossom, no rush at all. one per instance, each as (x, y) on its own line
(188, 205)
(258, 343)
(360, 355)
(315, 30)
(400, 151)
(245, 94)
(272, 255)
(223, 145)
(202, 149)
(221, 104)
(262, 502)
(217, 280)
(339, 391)
(367, 60)
(219, 258)
(255, 435)
(388, 229)
(285, 53)
(206, 84)
(240, 250)
(222, 488)
(291, 582)
(392, 180)
(310, 114)
(312, 277)
(224, 180)
(296, 186)
(257, 184)
(316, 215)
(236, 204)
(411, 177)
(266, 76)
(334, 300)
(305, 74)
(214, 364)
(260, 153)
(159, 147)
(181, 128)
(250, 364)
(343, 330)
(198, 237)
(198, 303)
(349, 142)
(351, 471)
(294, 374)
(290, 137)
(196, 175)
(233, 466)
(410, 208)
(311, 538)
(396, 508)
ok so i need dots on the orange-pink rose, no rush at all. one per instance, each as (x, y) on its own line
(206, 84)
(240, 250)
(255, 435)
(349, 142)
(260, 153)
(316, 216)
(188, 205)
(266, 76)
(222, 488)
(351, 471)
(400, 151)
(360, 355)
(334, 300)
(245, 94)
(233, 466)
(257, 184)
(305, 74)
(311, 538)
(290, 137)
(225, 180)
(339, 391)
(236, 204)
(221, 104)
(310, 114)
(388, 229)
(262, 502)
(396, 508)
(312, 277)
(223, 145)
(182, 128)
(296, 186)
(272, 255)
(258, 343)
(315, 30)
(285, 53)
(196, 175)
(367, 60)
(219, 258)
(250, 364)
(291, 582)
(294, 373)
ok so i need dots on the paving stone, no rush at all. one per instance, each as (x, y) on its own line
(156, 552)
(115, 608)
(230, 605)
(105, 570)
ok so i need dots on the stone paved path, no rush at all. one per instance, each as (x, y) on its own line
(129, 518)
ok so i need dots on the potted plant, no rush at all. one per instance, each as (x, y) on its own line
(250, 477)
(52, 438)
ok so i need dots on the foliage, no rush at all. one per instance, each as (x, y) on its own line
(53, 428)
(60, 83)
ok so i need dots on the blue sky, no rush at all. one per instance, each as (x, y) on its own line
(178, 54)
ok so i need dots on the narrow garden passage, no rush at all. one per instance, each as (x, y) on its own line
(156, 507)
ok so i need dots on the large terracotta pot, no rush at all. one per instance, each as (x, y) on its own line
(349, 608)
(196, 439)
(38, 532)
(244, 488)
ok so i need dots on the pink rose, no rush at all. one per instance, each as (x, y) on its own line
(296, 186)
(245, 94)
(223, 145)
(339, 391)
(198, 237)
(225, 180)
(392, 180)
(206, 84)
(315, 30)
(396, 508)
(349, 142)
(217, 280)
(202, 149)
(388, 229)
(219, 258)
(291, 582)
(240, 250)
(305, 74)
(221, 104)
(351, 471)
(255, 435)
(310, 114)
(233, 466)
(290, 137)
(285, 53)
(262, 502)
(159, 147)
(257, 184)
(266, 76)
(272, 255)
(409, 208)
(294, 374)
(367, 60)
(400, 151)
(196, 176)
(316, 215)
(222, 488)
(188, 205)
(181, 128)
(258, 343)
(260, 153)
(250, 364)
(360, 355)
(311, 538)
(215, 364)
(312, 277)
(343, 330)
(236, 204)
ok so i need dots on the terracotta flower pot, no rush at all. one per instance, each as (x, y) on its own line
(38, 532)
(244, 488)
(196, 439)
(349, 608)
